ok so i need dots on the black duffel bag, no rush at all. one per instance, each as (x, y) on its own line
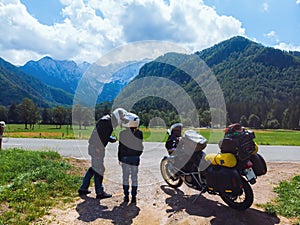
(229, 145)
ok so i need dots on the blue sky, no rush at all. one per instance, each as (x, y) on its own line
(47, 12)
(84, 30)
(270, 22)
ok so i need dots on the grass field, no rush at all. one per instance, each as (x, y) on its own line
(31, 182)
(263, 137)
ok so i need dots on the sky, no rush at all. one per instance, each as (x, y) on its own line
(85, 30)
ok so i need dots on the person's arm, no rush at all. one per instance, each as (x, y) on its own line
(121, 146)
(172, 142)
(140, 146)
(104, 130)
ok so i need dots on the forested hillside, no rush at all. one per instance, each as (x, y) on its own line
(261, 85)
(15, 85)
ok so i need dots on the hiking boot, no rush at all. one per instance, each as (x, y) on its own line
(126, 198)
(83, 192)
(103, 195)
(133, 200)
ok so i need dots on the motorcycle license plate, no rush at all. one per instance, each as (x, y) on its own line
(249, 174)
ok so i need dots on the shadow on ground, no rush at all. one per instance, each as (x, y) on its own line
(91, 209)
(216, 211)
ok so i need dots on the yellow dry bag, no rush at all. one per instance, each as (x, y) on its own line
(222, 159)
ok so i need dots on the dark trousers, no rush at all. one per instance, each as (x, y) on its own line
(98, 179)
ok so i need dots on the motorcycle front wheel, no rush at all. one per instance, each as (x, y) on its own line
(167, 175)
(242, 201)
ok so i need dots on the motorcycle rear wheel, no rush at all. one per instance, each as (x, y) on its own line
(172, 181)
(242, 201)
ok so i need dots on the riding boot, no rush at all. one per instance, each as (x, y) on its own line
(133, 193)
(126, 192)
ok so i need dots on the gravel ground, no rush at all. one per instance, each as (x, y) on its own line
(159, 204)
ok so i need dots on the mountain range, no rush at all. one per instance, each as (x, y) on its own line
(16, 85)
(254, 79)
(61, 74)
(49, 82)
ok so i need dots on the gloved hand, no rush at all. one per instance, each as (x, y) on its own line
(112, 139)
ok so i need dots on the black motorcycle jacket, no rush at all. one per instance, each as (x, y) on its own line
(101, 134)
(130, 145)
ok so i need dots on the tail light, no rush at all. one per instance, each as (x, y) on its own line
(248, 165)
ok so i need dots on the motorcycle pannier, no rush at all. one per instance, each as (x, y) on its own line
(259, 164)
(223, 180)
(194, 141)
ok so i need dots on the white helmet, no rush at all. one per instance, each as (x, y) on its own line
(119, 114)
(2, 124)
(131, 120)
(175, 125)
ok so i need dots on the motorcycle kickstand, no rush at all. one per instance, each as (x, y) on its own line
(203, 190)
(195, 199)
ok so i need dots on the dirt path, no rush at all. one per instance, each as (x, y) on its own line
(159, 204)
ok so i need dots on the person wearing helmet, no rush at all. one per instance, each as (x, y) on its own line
(98, 140)
(174, 137)
(2, 126)
(129, 152)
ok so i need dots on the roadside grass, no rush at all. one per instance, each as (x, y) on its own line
(39, 131)
(278, 137)
(31, 182)
(287, 202)
(157, 134)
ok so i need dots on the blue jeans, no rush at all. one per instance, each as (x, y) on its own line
(98, 179)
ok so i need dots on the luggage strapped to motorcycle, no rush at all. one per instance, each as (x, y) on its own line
(240, 143)
(223, 180)
(194, 140)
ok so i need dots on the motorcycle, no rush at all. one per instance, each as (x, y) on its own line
(228, 173)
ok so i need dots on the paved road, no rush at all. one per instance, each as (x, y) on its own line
(150, 160)
(78, 148)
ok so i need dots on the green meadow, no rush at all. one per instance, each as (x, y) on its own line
(263, 137)
(32, 182)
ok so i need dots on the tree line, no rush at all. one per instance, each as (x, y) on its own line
(29, 114)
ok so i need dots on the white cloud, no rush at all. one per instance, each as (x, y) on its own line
(265, 7)
(281, 45)
(297, 1)
(272, 36)
(91, 28)
(287, 47)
